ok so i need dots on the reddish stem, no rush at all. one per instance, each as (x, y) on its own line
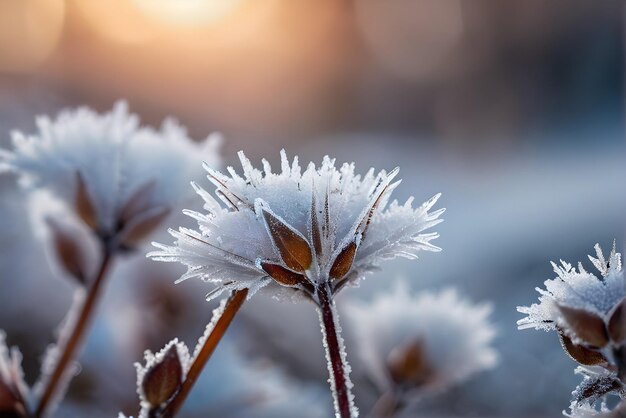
(339, 378)
(73, 344)
(233, 305)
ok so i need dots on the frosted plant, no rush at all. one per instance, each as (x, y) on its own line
(588, 313)
(417, 345)
(311, 232)
(120, 181)
(14, 393)
(119, 177)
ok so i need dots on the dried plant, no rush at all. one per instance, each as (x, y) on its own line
(418, 345)
(587, 312)
(307, 234)
(102, 170)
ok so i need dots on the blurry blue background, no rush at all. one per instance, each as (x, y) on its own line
(513, 110)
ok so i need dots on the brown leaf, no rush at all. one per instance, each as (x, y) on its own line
(163, 379)
(84, 204)
(617, 323)
(343, 262)
(69, 251)
(294, 249)
(282, 275)
(580, 354)
(408, 365)
(137, 203)
(586, 325)
(143, 225)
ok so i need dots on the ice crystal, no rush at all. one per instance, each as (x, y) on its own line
(297, 229)
(581, 292)
(112, 171)
(423, 343)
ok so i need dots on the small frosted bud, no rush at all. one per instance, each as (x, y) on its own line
(137, 203)
(84, 203)
(293, 248)
(69, 251)
(585, 325)
(581, 354)
(142, 225)
(617, 323)
(282, 275)
(343, 262)
(163, 378)
(408, 365)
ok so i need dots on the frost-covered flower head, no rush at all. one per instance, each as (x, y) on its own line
(424, 343)
(586, 308)
(589, 314)
(298, 229)
(116, 174)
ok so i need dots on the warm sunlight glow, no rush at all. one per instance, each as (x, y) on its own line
(186, 12)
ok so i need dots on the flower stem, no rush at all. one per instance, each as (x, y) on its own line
(339, 379)
(233, 305)
(71, 346)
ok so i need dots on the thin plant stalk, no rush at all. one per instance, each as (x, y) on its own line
(73, 344)
(339, 381)
(233, 305)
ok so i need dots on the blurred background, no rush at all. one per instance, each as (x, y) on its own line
(513, 110)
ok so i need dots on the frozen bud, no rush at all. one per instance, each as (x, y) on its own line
(424, 343)
(163, 379)
(298, 229)
(408, 365)
(69, 250)
(585, 307)
(586, 326)
(163, 374)
(84, 205)
(617, 323)
(142, 225)
(115, 174)
(582, 354)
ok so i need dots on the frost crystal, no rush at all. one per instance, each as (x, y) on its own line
(423, 343)
(578, 292)
(112, 171)
(298, 229)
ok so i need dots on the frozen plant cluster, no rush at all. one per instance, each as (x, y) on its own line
(120, 177)
(588, 311)
(418, 345)
(298, 229)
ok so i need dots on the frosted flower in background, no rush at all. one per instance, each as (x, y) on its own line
(120, 177)
(587, 308)
(298, 229)
(588, 313)
(416, 345)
